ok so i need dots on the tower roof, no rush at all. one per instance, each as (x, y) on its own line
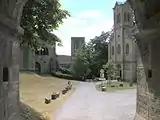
(119, 3)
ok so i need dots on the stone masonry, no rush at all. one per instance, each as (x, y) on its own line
(76, 43)
(31, 61)
(10, 13)
(147, 17)
(122, 48)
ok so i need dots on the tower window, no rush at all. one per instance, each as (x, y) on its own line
(119, 49)
(125, 17)
(112, 50)
(118, 36)
(118, 18)
(5, 74)
(75, 47)
(128, 17)
(127, 49)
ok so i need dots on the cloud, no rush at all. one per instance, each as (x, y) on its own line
(88, 24)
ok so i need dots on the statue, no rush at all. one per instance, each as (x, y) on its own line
(101, 73)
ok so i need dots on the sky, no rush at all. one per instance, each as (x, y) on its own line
(88, 19)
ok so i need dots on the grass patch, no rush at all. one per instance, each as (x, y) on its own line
(34, 89)
(116, 86)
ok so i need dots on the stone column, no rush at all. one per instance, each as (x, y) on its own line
(147, 15)
(10, 13)
(148, 95)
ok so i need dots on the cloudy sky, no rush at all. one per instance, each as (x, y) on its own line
(88, 19)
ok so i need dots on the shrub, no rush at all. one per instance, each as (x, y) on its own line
(112, 85)
(64, 76)
(121, 85)
(130, 84)
(64, 70)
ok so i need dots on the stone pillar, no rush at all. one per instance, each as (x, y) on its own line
(147, 14)
(10, 13)
(148, 95)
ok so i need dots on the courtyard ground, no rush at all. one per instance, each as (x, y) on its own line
(86, 103)
(34, 88)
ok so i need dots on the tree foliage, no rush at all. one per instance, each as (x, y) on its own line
(39, 19)
(100, 51)
(91, 57)
(80, 65)
(111, 69)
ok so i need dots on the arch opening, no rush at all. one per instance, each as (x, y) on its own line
(37, 67)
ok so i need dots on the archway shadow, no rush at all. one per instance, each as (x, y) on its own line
(37, 67)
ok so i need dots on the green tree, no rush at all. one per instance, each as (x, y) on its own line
(80, 64)
(112, 70)
(99, 44)
(39, 19)
(92, 56)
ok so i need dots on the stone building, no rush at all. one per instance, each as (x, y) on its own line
(122, 48)
(76, 43)
(64, 61)
(42, 61)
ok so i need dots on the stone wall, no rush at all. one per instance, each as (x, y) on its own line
(10, 14)
(148, 74)
(47, 62)
(148, 93)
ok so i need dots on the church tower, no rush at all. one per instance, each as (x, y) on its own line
(122, 48)
(76, 43)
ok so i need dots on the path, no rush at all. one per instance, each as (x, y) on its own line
(87, 103)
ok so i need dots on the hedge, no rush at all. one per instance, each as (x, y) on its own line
(64, 70)
(64, 76)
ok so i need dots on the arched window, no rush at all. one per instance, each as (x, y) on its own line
(125, 17)
(119, 49)
(128, 17)
(118, 18)
(112, 50)
(127, 48)
(46, 51)
(5, 74)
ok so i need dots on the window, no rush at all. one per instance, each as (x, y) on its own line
(46, 51)
(5, 74)
(128, 17)
(112, 50)
(43, 51)
(119, 49)
(118, 36)
(118, 18)
(75, 46)
(127, 48)
(125, 17)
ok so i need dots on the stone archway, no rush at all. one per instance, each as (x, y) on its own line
(38, 67)
(147, 17)
(10, 14)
